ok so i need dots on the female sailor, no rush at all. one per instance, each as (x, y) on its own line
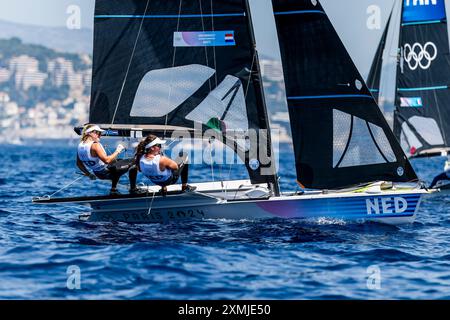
(92, 156)
(444, 176)
(161, 170)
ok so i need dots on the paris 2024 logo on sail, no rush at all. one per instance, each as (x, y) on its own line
(417, 55)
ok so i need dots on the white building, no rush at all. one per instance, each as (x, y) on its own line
(271, 70)
(5, 75)
(62, 73)
(26, 72)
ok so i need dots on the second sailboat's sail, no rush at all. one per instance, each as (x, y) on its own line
(422, 119)
(340, 136)
(422, 99)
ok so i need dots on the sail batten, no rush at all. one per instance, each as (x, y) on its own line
(445, 87)
(335, 96)
(340, 136)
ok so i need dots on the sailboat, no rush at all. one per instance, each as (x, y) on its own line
(163, 66)
(410, 76)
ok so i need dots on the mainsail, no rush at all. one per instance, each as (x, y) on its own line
(165, 65)
(422, 101)
(340, 136)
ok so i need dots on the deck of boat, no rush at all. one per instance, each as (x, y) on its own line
(226, 190)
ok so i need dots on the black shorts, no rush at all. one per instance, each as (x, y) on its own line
(172, 180)
(116, 169)
(175, 176)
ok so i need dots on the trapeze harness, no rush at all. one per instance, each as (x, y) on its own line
(93, 163)
(150, 168)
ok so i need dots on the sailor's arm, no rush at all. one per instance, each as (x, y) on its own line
(101, 154)
(166, 163)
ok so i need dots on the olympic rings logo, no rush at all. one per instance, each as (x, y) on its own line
(420, 56)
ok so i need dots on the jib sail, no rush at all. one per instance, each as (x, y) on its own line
(340, 136)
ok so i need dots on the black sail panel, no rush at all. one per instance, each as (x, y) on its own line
(422, 119)
(340, 136)
(162, 64)
(156, 61)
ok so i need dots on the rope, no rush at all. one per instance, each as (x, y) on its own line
(250, 77)
(66, 186)
(245, 99)
(206, 49)
(151, 203)
(216, 84)
(129, 63)
(211, 159)
(214, 47)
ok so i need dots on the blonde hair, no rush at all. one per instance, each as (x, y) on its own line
(84, 135)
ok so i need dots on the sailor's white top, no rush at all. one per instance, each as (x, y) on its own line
(93, 163)
(150, 168)
(447, 167)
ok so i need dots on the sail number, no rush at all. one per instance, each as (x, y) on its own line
(386, 205)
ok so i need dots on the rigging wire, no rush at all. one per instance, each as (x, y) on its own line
(211, 159)
(206, 48)
(151, 203)
(250, 75)
(63, 188)
(210, 88)
(173, 65)
(214, 47)
(245, 99)
(129, 63)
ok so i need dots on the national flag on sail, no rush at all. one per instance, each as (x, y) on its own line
(203, 38)
(229, 37)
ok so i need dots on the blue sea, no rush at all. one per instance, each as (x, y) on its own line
(42, 248)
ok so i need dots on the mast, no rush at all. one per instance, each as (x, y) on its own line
(388, 78)
(257, 80)
(373, 80)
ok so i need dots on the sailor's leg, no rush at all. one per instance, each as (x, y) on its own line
(442, 176)
(184, 174)
(114, 181)
(132, 174)
(109, 175)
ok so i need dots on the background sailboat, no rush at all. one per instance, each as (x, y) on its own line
(410, 76)
(166, 65)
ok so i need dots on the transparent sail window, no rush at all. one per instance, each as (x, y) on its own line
(359, 148)
(162, 91)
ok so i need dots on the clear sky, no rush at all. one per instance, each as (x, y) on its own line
(348, 16)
